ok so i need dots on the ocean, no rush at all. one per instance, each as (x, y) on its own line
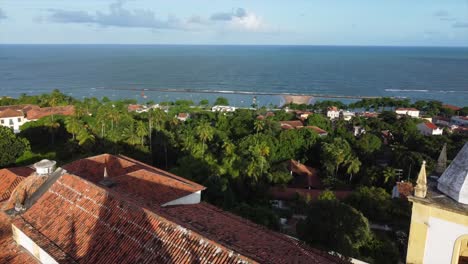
(108, 70)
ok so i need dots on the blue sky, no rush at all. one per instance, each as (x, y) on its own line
(293, 22)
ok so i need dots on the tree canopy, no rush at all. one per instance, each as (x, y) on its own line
(11, 146)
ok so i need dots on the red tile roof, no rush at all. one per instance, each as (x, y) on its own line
(286, 194)
(134, 107)
(332, 108)
(9, 252)
(10, 178)
(305, 176)
(92, 225)
(10, 113)
(38, 113)
(95, 224)
(430, 125)
(294, 124)
(452, 107)
(318, 130)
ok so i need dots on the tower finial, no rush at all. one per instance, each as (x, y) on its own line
(421, 184)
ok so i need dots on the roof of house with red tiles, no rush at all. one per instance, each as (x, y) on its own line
(294, 124)
(9, 251)
(332, 108)
(452, 107)
(430, 125)
(93, 225)
(134, 107)
(92, 169)
(10, 178)
(10, 113)
(281, 193)
(317, 129)
(24, 190)
(23, 107)
(304, 176)
(37, 113)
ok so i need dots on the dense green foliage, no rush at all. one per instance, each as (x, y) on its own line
(238, 157)
(11, 146)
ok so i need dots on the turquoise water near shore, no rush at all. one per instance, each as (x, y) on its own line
(80, 70)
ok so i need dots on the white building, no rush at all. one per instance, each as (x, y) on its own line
(12, 119)
(183, 116)
(347, 115)
(429, 129)
(223, 108)
(413, 112)
(333, 112)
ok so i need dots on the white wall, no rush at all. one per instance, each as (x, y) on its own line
(16, 124)
(23, 240)
(192, 198)
(440, 240)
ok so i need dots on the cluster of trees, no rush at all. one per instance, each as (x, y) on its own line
(239, 156)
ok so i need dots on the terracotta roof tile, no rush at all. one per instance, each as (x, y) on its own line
(430, 125)
(10, 178)
(10, 113)
(294, 124)
(9, 251)
(452, 107)
(305, 176)
(318, 130)
(37, 113)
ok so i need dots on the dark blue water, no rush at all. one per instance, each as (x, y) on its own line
(414, 72)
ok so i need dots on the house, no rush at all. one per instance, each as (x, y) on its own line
(318, 130)
(439, 218)
(387, 137)
(333, 112)
(459, 120)
(183, 116)
(107, 208)
(12, 119)
(441, 121)
(369, 114)
(223, 108)
(137, 108)
(452, 107)
(429, 129)
(303, 115)
(294, 124)
(358, 131)
(347, 115)
(37, 113)
(413, 112)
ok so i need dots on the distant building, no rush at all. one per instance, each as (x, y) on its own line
(333, 112)
(452, 107)
(413, 112)
(303, 115)
(223, 108)
(318, 130)
(441, 121)
(12, 119)
(294, 124)
(107, 208)
(459, 120)
(429, 129)
(369, 114)
(358, 131)
(347, 115)
(439, 220)
(183, 116)
(16, 115)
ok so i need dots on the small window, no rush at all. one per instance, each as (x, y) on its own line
(2, 121)
(11, 122)
(19, 119)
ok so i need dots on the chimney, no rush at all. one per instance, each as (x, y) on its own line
(106, 181)
(44, 167)
(421, 184)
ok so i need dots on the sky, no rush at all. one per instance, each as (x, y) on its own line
(236, 22)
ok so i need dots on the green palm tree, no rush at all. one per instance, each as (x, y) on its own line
(259, 125)
(389, 174)
(205, 133)
(141, 131)
(73, 126)
(84, 137)
(354, 165)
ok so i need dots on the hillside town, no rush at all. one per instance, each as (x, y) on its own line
(184, 182)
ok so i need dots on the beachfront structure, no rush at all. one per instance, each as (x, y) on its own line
(459, 120)
(183, 116)
(429, 129)
(413, 112)
(12, 119)
(333, 112)
(439, 220)
(110, 208)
